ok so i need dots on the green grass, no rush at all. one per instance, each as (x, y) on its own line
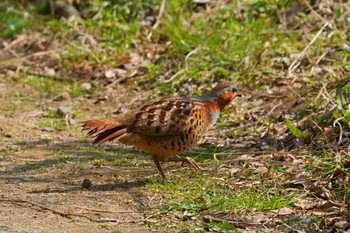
(51, 124)
(333, 167)
(50, 87)
(14, 21)
(191, 199)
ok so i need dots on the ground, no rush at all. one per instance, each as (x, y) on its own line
(276, 161)
(48, 168)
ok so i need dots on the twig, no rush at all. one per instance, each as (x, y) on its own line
(66, 215)
(86, 49)
(238, 224)
(106, 211)
(324, 93)
(21, 58)
(274, 108)
(16, 41)
(340, 127)
(186, 65)
(296, 62)
(313, 11)
(160, 14)
(42, 53)
(322, 56)
(67, 123)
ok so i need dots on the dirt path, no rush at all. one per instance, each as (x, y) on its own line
(42, 170)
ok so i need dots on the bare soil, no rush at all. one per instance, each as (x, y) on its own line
(42, 171)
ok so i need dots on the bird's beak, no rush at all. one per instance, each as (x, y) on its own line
(239, 94)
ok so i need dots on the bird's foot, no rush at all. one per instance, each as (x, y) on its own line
(187, 160)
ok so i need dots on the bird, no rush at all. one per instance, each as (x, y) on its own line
(165, 127)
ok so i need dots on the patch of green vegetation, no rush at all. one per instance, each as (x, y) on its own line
(333, 167)
(13, 20)
(342, 97)
(190, 200)
(113, 156)
(295, 131)
(51, 124)
(4, 152)
(323, 164)
(5, 133)
(50, 87)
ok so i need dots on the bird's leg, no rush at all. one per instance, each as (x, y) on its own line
(156, 161)
(188, 160)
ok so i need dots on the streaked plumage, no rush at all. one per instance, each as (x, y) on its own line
(165, 127)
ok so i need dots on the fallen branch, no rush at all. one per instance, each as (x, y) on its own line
(66, 215)
(238, 224)
(106, 211)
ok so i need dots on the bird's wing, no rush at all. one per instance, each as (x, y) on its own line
(170, 116)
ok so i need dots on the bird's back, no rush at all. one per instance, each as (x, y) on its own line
(168, 126)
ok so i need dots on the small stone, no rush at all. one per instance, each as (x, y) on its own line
(50, 71)
(86, 184)
(63, 111)
(72, 121)
(86, 86)
(109, 74)
(120, 110)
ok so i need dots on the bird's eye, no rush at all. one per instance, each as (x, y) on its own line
(234, 89)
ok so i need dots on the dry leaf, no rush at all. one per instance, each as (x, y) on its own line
(320, 192)
(330, 206)
(49, 71)
(262, 217)
(109, 74)
(300, 179)
(261, 170)
(308, 204)
(283, 211)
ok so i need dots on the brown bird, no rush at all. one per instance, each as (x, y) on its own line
(165, 127)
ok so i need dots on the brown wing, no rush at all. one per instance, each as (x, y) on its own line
(170, 116)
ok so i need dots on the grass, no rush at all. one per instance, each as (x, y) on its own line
(52, 124)
(49, 87)
(190, 200)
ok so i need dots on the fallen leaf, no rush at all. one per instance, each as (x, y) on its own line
(300, 179)
(261, 170)
(283, 211)
(308, 204)
(50, 71)
(320, 192)
(262, 217)
(330, 206)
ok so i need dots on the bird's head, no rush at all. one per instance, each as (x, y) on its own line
(223, 94)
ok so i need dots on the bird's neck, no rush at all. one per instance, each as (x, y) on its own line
(213, 106)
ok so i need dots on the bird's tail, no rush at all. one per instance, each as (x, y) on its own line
(104, 130)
